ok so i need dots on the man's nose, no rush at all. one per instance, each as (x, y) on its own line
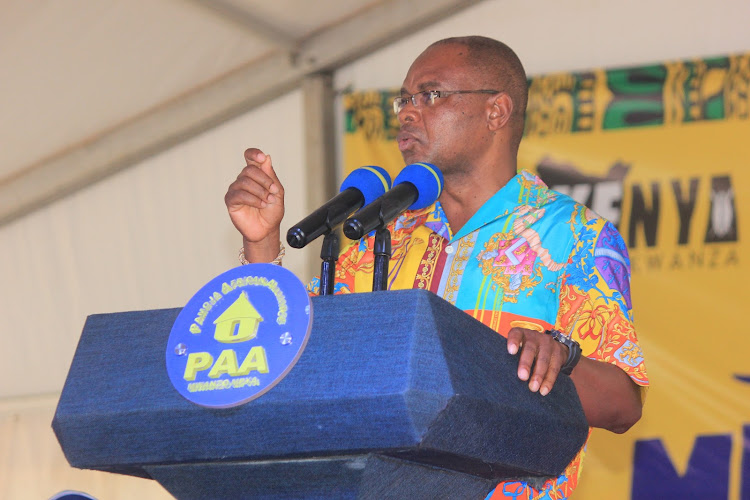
(408, 113)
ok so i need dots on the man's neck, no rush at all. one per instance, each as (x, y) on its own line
(464, 195)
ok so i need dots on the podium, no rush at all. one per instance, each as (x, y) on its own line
(397, 395)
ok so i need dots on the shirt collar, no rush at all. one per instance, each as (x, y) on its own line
(524, 188)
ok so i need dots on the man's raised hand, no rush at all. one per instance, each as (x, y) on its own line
(255, 202)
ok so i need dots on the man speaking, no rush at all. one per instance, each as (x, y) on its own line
(532, 264)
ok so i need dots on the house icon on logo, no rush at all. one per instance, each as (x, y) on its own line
(238, 323)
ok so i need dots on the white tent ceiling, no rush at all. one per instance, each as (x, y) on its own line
(88, 87)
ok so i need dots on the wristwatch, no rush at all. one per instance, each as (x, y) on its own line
(574, 350)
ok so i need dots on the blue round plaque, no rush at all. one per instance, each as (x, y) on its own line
(239, 335)
(71, 495)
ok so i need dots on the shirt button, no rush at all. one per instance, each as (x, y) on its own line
(449, 250)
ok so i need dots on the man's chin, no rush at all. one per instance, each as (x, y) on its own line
(413, 157)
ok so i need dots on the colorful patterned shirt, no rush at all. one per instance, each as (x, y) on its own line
(529, 257)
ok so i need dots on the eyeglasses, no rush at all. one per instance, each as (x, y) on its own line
(427, 97)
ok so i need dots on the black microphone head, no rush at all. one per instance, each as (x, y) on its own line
(296, 237)
(353, 229)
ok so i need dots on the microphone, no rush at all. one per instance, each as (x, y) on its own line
(360, 187)
(417, 186)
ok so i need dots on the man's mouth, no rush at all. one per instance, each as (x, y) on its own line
(405, 140)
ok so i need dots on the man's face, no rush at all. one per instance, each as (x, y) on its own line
(452, 132)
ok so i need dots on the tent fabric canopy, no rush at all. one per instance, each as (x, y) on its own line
(92, 87)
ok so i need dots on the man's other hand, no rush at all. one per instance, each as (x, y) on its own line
(539, 352)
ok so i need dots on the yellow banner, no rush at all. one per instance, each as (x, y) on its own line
(663, 152)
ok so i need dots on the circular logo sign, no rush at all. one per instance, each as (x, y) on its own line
(239, 335)
(72, 495)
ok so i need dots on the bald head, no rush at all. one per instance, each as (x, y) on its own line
(497, 67)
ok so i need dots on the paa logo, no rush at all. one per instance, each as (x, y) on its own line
(239, 335)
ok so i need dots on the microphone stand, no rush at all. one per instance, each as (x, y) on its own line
(330, 254)
(382, 251)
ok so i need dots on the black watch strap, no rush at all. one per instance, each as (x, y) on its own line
(574, 350)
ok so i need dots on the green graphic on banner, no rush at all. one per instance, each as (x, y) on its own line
(662, 94)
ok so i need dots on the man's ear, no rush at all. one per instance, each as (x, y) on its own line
(499, 111)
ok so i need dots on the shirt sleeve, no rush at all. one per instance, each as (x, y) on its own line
(595, 305)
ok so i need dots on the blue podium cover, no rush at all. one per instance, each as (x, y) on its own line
(399, 374)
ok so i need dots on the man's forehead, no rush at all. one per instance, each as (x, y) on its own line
(425, 85)
(436, 67)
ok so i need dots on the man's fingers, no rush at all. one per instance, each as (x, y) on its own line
(267, 167)
(528, 354)
(237, 199)
(540, 360)
(552, 372)
(541, 366)
(255, 175)
(254, 156)
(262, 172)
(515, 340)
(256, 182)
(246, 193)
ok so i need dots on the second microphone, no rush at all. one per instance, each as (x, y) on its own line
(417, 186)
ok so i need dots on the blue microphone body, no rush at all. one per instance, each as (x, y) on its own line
(417, 186)
(360, 188)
